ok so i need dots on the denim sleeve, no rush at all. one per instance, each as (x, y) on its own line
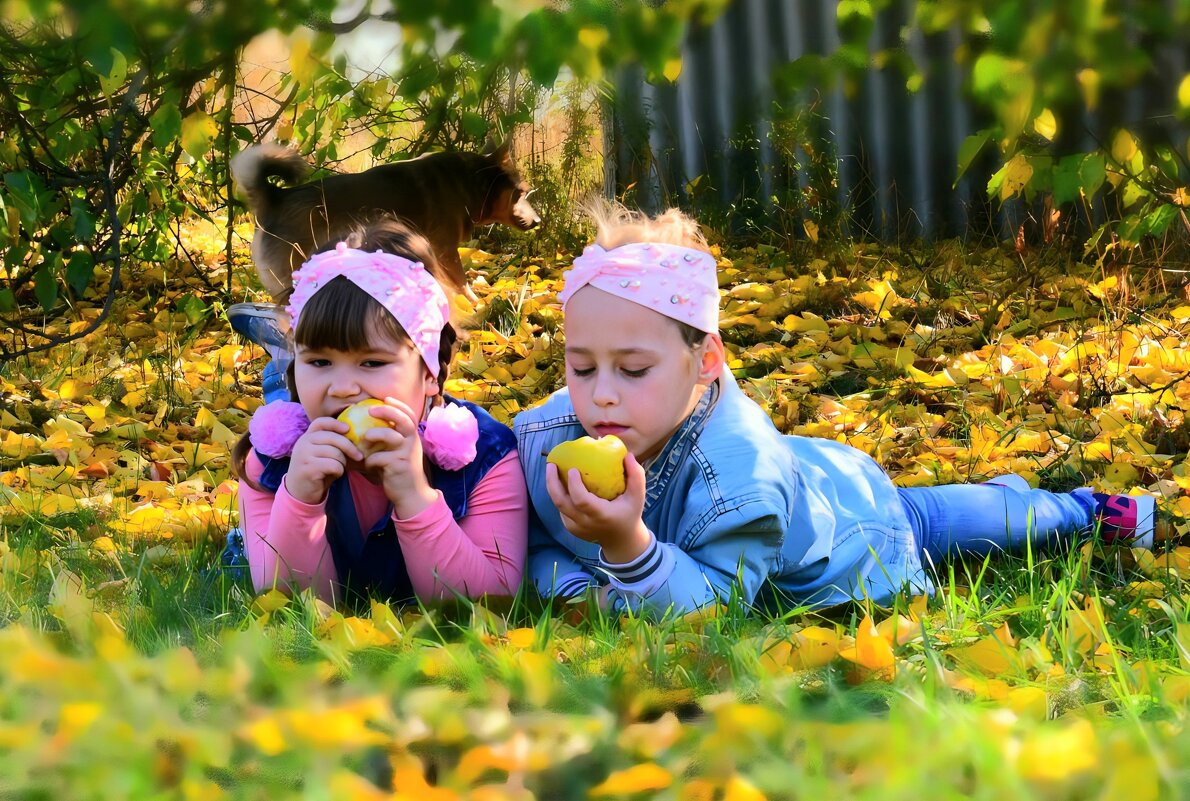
(737, 552)
(553, 569)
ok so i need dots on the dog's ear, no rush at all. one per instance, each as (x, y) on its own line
(499, 150)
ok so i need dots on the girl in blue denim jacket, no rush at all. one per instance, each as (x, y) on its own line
(717, 498)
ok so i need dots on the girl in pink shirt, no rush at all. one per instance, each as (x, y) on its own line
(430, 505)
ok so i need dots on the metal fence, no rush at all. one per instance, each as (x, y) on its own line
(897, 151)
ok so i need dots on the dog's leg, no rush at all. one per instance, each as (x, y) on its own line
(452, 265)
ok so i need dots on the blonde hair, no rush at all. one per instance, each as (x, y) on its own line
(616, 225)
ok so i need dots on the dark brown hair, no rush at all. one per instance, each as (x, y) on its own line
(341, 316)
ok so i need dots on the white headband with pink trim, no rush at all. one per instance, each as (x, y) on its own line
(676, 281)
(402, 286)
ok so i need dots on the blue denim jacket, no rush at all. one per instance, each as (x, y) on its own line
(732, 501)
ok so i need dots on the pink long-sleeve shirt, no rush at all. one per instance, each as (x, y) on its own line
(482, 553)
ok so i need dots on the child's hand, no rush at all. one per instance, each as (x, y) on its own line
(615, 525)
(397, 457)
(319, 457)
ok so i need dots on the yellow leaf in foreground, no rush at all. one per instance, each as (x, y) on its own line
(814, 647)
(203, 790)
(1017, 173)
(269, 602)
(512, 756)
(522, 637)
(1044, 124)
(898, 629)
(74, 719)
(1031, 702)
(69, 603)
(740, 789)
(1085, 628)
(650, 739)
(1132, 774)
(410, 776)
(870, 651)
(636, 779)
(265, 734)
(880, 298)
(993, 655)
(1052, 754)
(697, 790)
(353, 787)
(344, 727)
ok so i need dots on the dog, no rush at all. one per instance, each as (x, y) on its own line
(443, 196)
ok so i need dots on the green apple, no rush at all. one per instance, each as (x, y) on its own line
(359, 422)
(600, 462)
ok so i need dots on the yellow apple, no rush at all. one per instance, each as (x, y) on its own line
(600, 462)
(360, 422)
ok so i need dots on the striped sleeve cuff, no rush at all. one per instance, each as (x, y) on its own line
(645, 573)
(572, 584)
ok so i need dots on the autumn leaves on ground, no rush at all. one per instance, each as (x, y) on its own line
(132, 667)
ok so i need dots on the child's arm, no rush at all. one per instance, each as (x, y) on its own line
(285, 539)
(484, 552)
(733, 552)
(553, 570)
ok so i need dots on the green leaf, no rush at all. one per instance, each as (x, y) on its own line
(474, 124)
(804, 71)
(988, 74)
(111, 81)
(166, 123)
(1067, 181)
(1092, 173)
(419, 76)
(8, 301)
(970, 148)
(28, 194)
(1167, 162)
(550, 40)
(1156, 222)
(1017, 173)
(45, 286)
(1129, 230)
(193, 307)
(84, 220)
(79, 271)
(1132, 193)
(854, 20)
(198, 134)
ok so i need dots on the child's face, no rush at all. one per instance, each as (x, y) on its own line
(328, 381)
(629, 371)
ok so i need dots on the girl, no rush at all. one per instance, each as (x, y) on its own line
(718, 500)
(429, 505)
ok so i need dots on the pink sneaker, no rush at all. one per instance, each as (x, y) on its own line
(1126, 519)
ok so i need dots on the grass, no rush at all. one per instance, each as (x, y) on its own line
(132, 667)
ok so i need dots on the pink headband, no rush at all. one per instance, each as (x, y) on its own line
(402, 286)
(676, 281)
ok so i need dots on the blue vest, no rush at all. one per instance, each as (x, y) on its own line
(373, 566)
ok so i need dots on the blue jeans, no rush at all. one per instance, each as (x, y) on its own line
(981, 518)
(259, 323)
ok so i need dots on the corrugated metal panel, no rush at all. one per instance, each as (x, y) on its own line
(896, 151)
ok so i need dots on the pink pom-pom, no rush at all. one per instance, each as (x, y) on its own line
(448, 436)
(276, 426)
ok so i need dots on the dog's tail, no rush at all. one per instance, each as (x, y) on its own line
(252, 167)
